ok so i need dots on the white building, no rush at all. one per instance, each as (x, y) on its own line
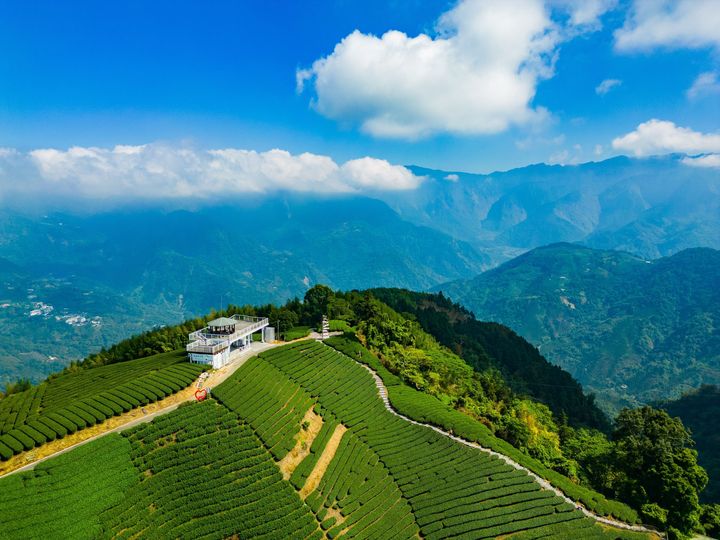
(222, 339)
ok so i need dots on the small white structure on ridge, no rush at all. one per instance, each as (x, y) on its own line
(325, 327)
(222, 339)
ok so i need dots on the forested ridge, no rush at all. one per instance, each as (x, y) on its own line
(524, 369)
(633, 331)
(478, 371)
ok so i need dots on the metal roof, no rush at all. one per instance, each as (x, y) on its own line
(222, 321)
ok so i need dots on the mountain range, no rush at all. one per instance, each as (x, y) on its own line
(629, 329)
(651, 207)
(76, 281)
(88, 280)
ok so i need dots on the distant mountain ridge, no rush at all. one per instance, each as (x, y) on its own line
(155, 266)
(628, 329)
(651, 207)
(160, 267)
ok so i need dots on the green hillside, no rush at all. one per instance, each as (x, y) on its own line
(629, 330)
(77, 399)
(486, 345)
(699, 410)
(315, 412)
(207, 470)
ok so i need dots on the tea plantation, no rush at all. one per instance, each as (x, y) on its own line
(212, 469)
(72, 401)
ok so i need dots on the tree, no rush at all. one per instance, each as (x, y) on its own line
(316, 303)
(710, 518)
(656, 468)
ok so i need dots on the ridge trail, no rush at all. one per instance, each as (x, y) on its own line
(382, 390)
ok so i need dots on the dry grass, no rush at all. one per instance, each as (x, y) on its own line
(322, 464)
(304, 440)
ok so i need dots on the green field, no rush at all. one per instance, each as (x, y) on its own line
(72, 401)
(296, 332)
(63, 497)
(426, 408)
(389, 471)
(207, 470)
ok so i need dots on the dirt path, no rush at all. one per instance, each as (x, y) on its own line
(382, 390)
(26, 461)
(305, 438)
(322, 463)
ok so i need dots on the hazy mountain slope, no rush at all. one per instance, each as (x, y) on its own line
(150, 266)
(628, 329)
(46, 321)
(651, 207)
(699, 410)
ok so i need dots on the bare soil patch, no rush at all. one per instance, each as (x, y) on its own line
(304, 440)
(322, 464)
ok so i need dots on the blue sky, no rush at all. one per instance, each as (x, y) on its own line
(223, 75)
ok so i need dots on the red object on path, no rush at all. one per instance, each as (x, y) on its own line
(201, 394)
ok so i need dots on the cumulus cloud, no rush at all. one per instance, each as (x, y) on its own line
(706, 84)
(662, 136)
(451, 177)
(670, 24)
(709, 161)
(607, 85)
(162, 172)
(476, 75)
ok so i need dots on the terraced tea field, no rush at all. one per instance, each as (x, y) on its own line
(251, 464)
(73, 401)
(430, 483)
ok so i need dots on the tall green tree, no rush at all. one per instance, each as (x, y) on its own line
(317, 300)
(656, 469)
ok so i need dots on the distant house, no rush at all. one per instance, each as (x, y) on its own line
(222, 339)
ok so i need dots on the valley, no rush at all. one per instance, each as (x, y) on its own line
(630, 330)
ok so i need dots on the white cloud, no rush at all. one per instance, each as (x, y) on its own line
(709, 160)
(607, 85)
(661, 136)
(706, 84)
(451, 178)
(565, 156)
(376, 174)
(478, 75)
(586, 13)
(671, 24)
(561, 157)
(161, 172)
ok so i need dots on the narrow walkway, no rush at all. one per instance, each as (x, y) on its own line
(130, 419)
(382, 390)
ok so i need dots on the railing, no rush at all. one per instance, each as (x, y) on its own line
(199, 339)
(248, 318)
(200, 346)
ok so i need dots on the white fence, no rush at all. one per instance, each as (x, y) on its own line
(205, 342)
